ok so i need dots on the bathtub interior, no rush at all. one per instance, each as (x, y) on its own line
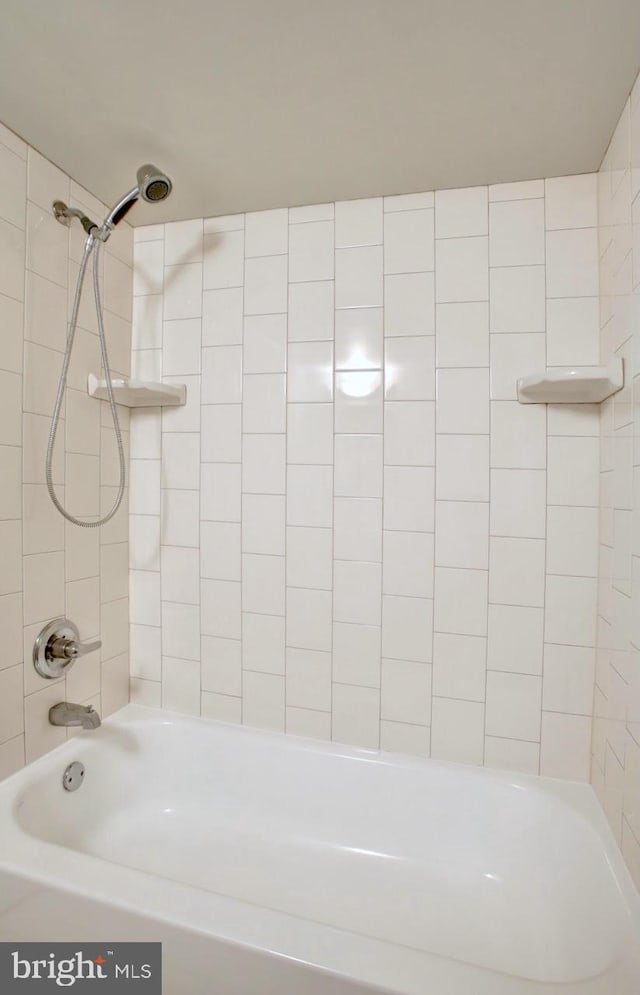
(491, 870)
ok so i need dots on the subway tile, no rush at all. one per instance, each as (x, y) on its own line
(263, 584)
(511, 754)
(518, 435)
(264, 407)
(263, 701)
(460, 603)
(408, 201)
(356, 654)
(11, 622)
(223, 260)
(222, 223)
(180, 574)
(44, 593)
(410, 369)
(409, 304)
(309, 619)
(180, 518)
(517, 299)
(222, 316)
(409, 433)
(14, 183)
(144, 596)
(308, 722)
(462, 534)
(565, 746)
(459, 666)
(264, 462)
(309, 558)
(311, 212)
(148, 274)
(405, 692)
(518, 503)
(308, 680)
(265, 285)
(571, 201)
(457, 731)
(181, 685)
(221, 439)
(221, 707)
(11, 476)
(572, 541)
(516, 571)
(181, 460)
(310, 371)
(356, 716)
(408, 559)
(408, 241)
(462, 464)
(263, 524)
(358, 222)
(181, 344)
(220, 608)
(516, 232)
(311, 312)
(402, 737)
(221, 665)
(515, 639)
(512, 357)
(263, 643)
(513, 706)
(310, 496)
(572, 263)
(11, 317)
(40, 735)
(220, 552)
(222, 375)
(265, 344)
(523, 190)
(407, 628)
(183, 242)
(462, 269)
(357, 529)
(358, 339)
(461, 212)
(311, 251)
(573, 332)
(182, 291)
(359, 277)
(409, 498)
(358, 401)
(573, 471)
(266, 232)
(570, 612)
(356, 592)
(358, 466)
(569, 674)
(462, 334)
(47, 255)
(220, 491)
(462, 401)
(146, 652)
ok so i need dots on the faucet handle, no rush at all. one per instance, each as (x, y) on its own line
(62, 648)
(58, 646)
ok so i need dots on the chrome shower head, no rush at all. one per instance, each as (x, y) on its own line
(153, 184)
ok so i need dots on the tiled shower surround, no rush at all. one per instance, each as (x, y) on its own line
(353, 530)
(48, 567)
(616, 727)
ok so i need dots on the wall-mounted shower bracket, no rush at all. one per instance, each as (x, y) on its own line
(64, 214)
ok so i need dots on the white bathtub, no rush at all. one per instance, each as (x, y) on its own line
(282, 866)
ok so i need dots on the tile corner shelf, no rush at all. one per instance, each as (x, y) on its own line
(572, 385)
(138, 393)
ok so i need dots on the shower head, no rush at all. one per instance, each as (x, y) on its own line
(153, 186)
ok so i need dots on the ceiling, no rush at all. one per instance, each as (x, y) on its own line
(252, 104)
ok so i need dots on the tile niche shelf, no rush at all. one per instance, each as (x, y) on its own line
(572, 384)
(138, 393)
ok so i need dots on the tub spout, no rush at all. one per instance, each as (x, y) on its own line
(65, 713)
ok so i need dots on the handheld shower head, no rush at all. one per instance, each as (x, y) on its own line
(153, 186)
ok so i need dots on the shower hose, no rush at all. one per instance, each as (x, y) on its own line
(92, 245)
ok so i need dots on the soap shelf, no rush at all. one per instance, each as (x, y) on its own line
(138, 393)
(572, 385)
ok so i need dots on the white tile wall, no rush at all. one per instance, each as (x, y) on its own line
(385, 546)
(49, 567)
(616, 723)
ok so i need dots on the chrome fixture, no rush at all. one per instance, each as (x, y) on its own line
(68, 714)
(152, 185)
(73, 776)
(57, 648)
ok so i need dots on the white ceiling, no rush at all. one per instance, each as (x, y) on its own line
(251, 104)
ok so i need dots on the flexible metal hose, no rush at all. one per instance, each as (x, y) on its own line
(92, 245)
